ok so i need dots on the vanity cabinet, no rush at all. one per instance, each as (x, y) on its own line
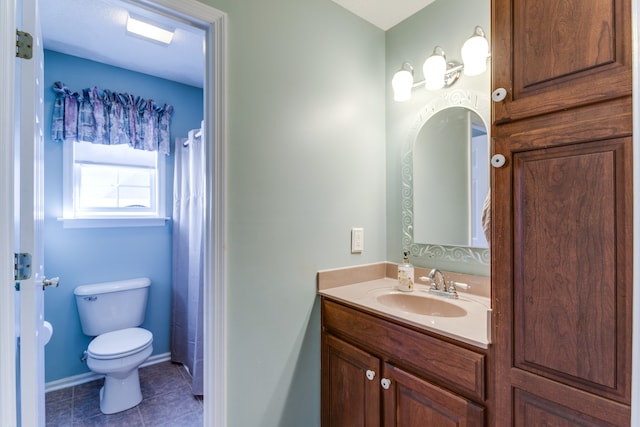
(562, 221)
(379, 373)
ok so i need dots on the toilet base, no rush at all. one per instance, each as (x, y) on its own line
(118, 395)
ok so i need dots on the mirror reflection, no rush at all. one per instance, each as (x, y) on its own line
(445, 179)
(450, 178)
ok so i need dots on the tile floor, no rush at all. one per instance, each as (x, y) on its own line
(167, 401)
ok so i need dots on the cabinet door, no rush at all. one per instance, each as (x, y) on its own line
(350, 385)
(412, 402)
(562, 269)
(555, 54)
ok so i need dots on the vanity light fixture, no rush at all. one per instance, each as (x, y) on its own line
(440, 73)
(138, 27)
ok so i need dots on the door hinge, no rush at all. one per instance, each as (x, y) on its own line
(24, 45)
(21, 266)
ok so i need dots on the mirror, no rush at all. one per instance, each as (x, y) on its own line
(450, 179)
(445, 178)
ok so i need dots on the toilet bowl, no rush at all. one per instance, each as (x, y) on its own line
(118, 355)
(112, 313)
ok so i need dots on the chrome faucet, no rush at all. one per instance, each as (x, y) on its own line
(433, 276)
(442, 290)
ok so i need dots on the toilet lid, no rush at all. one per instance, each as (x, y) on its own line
(119, 343)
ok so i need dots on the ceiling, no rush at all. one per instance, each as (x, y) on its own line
(95, 30)
(384, 13)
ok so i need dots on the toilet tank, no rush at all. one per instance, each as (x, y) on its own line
(109, 306)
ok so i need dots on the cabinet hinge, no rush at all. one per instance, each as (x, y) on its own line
(21, 266)
(24, 45)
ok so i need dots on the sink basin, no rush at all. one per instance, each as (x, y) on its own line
(466, 318)
(416, 304)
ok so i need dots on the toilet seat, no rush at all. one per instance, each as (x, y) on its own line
(121, 343)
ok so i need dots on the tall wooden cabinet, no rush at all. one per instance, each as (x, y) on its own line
(562, 212)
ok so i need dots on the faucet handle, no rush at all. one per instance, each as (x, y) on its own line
(452, 288)
(463, 286)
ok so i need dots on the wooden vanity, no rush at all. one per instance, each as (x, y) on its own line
(380, 371)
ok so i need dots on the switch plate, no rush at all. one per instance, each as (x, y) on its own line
(357, 240)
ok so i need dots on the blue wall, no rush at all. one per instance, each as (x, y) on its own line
(89, 255)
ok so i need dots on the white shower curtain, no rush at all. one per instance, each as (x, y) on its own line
(188, 267)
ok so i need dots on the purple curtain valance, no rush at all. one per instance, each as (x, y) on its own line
(110, 118)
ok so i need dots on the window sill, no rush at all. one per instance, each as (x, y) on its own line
(112, 222)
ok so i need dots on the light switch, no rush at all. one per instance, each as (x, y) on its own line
(357, 240)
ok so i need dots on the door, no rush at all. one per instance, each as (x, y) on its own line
(350, 385)
(410, 401)
(548, 54)
(29, 212)
(562, 273)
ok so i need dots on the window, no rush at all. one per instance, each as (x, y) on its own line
(112, 185)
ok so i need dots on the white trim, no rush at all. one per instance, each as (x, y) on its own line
(7, 125)
(75, 380)
(112, 222)
(215, 327)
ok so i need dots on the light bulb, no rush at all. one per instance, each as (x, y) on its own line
(474, 53)
(434, 69)
(402, 83)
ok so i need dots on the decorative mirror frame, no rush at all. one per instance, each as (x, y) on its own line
(481, 105)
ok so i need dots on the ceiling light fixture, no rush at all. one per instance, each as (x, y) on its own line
(440, 73)
(138, 27)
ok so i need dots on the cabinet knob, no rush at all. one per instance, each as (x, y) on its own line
(498, 161)
(385, 383)
(371, 374)
(499, 94)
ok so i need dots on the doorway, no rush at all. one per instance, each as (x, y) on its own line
(213, 23)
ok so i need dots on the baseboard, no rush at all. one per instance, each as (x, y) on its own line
(90, 376)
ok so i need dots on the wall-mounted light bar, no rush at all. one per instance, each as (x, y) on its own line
(440, 73)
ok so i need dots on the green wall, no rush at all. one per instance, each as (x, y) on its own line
(314, 149)
(447, 23)
(306, 162)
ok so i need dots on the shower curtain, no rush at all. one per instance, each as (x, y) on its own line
(188, 247)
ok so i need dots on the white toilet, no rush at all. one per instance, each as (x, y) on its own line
(111, 312)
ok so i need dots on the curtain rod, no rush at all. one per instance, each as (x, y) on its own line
(197, 133)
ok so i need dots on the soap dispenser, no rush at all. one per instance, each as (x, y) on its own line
(405, 274)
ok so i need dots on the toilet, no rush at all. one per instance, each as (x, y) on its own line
(112, 313)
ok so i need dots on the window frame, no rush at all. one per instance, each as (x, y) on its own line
(78, 219)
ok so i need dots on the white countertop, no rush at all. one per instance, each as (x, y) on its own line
(472, 328)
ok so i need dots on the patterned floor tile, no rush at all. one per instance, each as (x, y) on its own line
(167, 401)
